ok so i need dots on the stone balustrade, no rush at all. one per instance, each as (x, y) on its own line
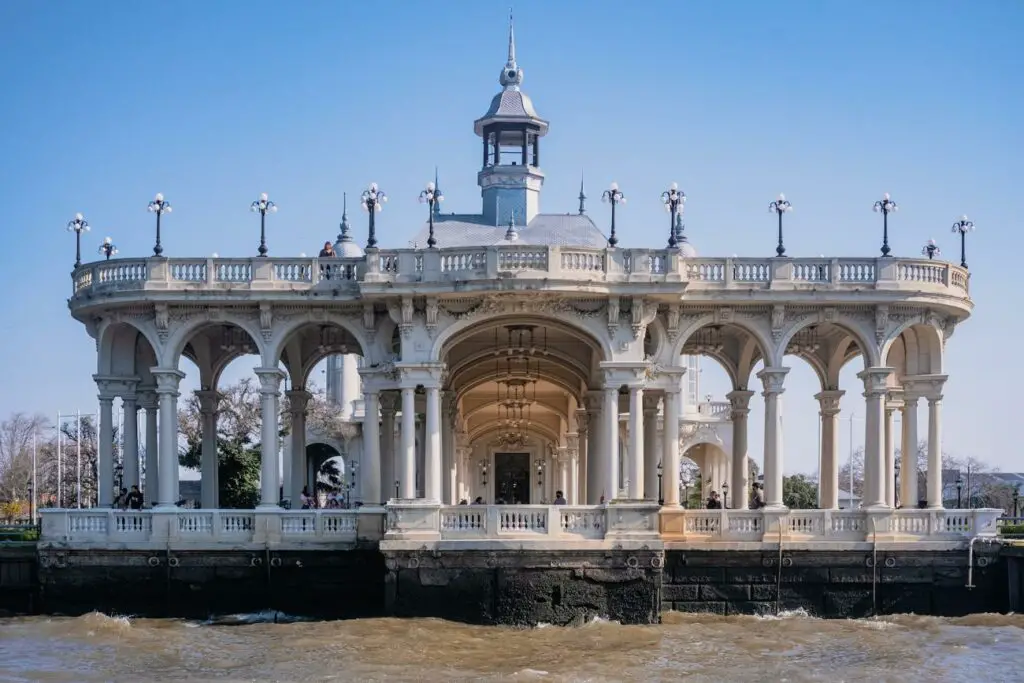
(842, 529)
(200, 529)
(441, 266)
(415, 522)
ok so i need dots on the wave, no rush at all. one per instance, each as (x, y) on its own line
(268, 616)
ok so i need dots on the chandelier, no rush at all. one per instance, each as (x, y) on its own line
(235, 340)
(805, 341)
(512, 439)
(708, 340)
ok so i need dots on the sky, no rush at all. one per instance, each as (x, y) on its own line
(212, 103)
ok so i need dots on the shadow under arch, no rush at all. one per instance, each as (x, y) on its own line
(762, 344)
(465, 328)
(126, 349)
(922, 346)
(189, 331)
(865, 345)
(309, 343)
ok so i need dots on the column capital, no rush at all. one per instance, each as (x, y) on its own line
(582, 419)
(828, 401)
(298, 401)
(739, 400)
(147, 398)
(651, 401)
(389, 401)
(772, 379)
(113, 386)
(924, 386)
(209, 401)
(270, 380)
(167, 380)
(430, 375)
(593, 400)
(875, 381)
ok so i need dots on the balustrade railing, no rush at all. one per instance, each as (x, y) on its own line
(520, 261)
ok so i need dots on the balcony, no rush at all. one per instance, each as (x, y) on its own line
(385, 269)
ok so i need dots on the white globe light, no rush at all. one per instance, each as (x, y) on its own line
(430, 186)
(79, 216)
(439, 198)
(622, 200)
(216, 255)
(613, 187)
(263, 196)
(373, 187)
(963, 218)
(167, 209)
(675, 186)
(273, 208)
(383, 198)
(782, 197)
(159, 196)
(106, 240)
(886, 196)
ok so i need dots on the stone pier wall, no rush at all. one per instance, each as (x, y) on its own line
(526, 588)
(197, 584)
(834, 584)
(18, 581)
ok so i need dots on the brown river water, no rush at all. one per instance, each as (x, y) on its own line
(792, 647)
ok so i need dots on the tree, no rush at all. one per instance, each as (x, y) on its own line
(799, 492)
(17, 434)
(858, 474)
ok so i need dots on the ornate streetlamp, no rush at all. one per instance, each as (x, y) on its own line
(372, 200)
(108, 248)
(159, 206)
(263, 206)
(963, 226)
(661, 493)
(725, 494)
(959, 492)
(32, 501)
(1016, 496)
(118, 478)
(613, 195)
(685, 481)
(674, 199)
(779, 207)
(78, 225)
(931, 250)
(885, 206)
(398, 485)
(432, 197)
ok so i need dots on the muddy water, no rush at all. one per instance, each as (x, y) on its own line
(792, 647)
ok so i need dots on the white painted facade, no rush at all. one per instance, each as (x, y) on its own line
(539, 345)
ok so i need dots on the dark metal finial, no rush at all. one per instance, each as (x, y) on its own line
(345, 235)
(583, 196)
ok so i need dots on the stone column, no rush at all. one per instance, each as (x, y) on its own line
(298, 401)
(432, 453)
(388, 406)
(610, 444)
(908, 457)
(151, 489)
(650, 488)
(448, 414)
(635, 476)
(407, 470)
(739, 401)
(167, 394)
(934, 482)
(828, 478)
(369, 469)
(875, 389)
(105, 454)
(209, 402)
(582, 456)
(889, 432)
(595, 451)
(670, 447)
(772, 379)
(131, 440)
(270, 389)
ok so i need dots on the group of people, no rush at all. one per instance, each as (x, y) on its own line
(714, 502)
(129, 500)
(334, 501)
(479, 500)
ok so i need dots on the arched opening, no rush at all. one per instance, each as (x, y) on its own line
(517, 385)
(707, 468)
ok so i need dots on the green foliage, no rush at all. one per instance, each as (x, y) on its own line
(239, 473)
(799, 492)
(1012, 530)
(18, 534)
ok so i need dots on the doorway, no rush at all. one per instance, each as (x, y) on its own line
(512, 478)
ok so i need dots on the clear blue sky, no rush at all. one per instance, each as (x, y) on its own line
(105, 104)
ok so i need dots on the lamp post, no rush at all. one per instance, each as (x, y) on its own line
(725, 494)
(372, 200)
(118, 477)
(1016, 495)
(885, 206)
(32, 502)
(661, 494)
(674, 199)
(685, 481)
(779, 207)
(931, 250)
(78, 225)
(959, 491)
(432, 197)
(896, 483)
(108, 248)
(963, 226)
(613, 195)
(398, 485)
(263, 206)
(159, 206)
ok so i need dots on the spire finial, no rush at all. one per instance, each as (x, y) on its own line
(511, 41)
(344, 236)
(511, 75)
(511, 234)
(583, 196)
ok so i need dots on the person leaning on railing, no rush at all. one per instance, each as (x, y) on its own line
(327, 252)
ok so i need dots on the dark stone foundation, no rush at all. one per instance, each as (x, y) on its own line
(525, 588)
(834, 584)
(197, 584)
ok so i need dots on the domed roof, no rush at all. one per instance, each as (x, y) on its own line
(687, 250)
